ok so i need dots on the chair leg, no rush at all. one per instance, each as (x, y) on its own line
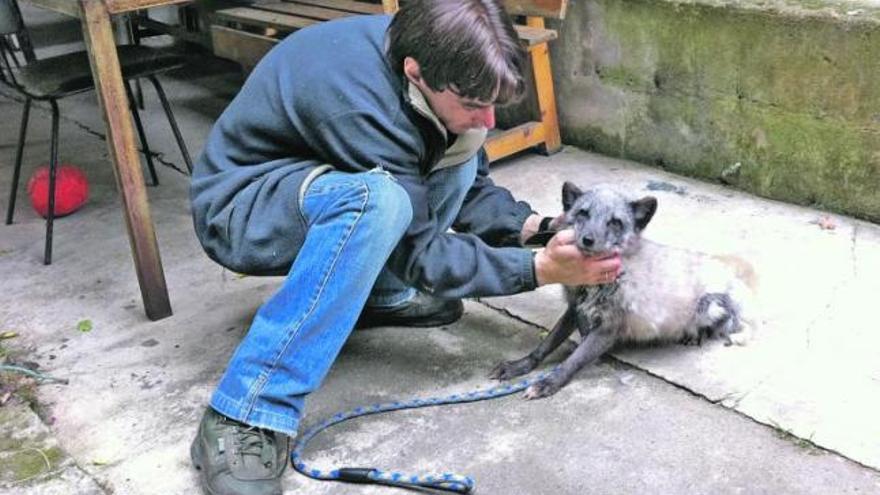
(540, 56)
(53, 167)
(546, 98)
(132, 104)
(19, 153)
(139, 94)
(173, 122)
(134, 38)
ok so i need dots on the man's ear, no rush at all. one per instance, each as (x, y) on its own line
(412, 70)
(643, 210)
(570, 194)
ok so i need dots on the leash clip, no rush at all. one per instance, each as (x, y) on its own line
(355, 475)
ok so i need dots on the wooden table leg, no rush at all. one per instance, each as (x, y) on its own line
(126, 162)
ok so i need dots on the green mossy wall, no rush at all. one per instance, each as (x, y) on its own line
(782, 103)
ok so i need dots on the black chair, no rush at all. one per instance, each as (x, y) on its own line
(52, 78)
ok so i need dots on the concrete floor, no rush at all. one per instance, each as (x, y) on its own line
(794, 412)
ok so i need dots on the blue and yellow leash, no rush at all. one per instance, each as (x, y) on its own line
(449, 482)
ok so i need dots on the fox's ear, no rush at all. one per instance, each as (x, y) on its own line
(643, 210)
(570, 193)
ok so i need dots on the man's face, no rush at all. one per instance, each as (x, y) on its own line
(457, 113)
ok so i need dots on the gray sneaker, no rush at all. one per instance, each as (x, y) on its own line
(236, 459)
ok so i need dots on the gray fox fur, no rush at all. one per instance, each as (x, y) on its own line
(663, 293)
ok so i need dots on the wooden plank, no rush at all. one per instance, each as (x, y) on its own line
(262, 18)
(553, 9)
(245, 48)
(178, 31)
(352, 6)
(390, 6)
(107, 75)
(533, 35)
(120, 6)
(69, 7)
(310, 11)
(510, 141)
(540, 56)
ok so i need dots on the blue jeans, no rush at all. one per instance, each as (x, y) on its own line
(355, 221)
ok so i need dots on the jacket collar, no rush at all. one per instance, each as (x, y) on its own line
(465, 146)
(418, 101)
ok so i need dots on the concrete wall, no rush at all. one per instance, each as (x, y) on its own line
(778, 100)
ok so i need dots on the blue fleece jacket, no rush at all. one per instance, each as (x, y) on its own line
(326, 97)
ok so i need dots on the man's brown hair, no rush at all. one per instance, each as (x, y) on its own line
(467, 46)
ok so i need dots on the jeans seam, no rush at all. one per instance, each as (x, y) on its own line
(257, 388)
(273, 417)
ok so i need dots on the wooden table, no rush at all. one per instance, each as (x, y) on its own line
(100, 44)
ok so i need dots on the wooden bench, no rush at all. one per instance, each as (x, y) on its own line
(245, 34)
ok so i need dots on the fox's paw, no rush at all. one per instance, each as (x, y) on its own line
(506, 370)
(694, 339)
(543, 388)
(741, 338)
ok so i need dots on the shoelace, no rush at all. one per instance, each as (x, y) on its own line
(254, 441)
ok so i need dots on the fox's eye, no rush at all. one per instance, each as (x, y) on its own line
(615, 224)
(583, 214)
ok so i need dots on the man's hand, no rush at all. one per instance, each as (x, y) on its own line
(561, 262)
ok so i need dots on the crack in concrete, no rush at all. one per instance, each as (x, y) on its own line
(837, 288)
(102, 485)
(823, 312)
(510, 315)
(160, 157)
(733, 408)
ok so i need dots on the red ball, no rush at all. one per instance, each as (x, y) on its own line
(71, 190)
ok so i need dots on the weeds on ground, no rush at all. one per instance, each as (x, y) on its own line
(14, 386)
(804, 443)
